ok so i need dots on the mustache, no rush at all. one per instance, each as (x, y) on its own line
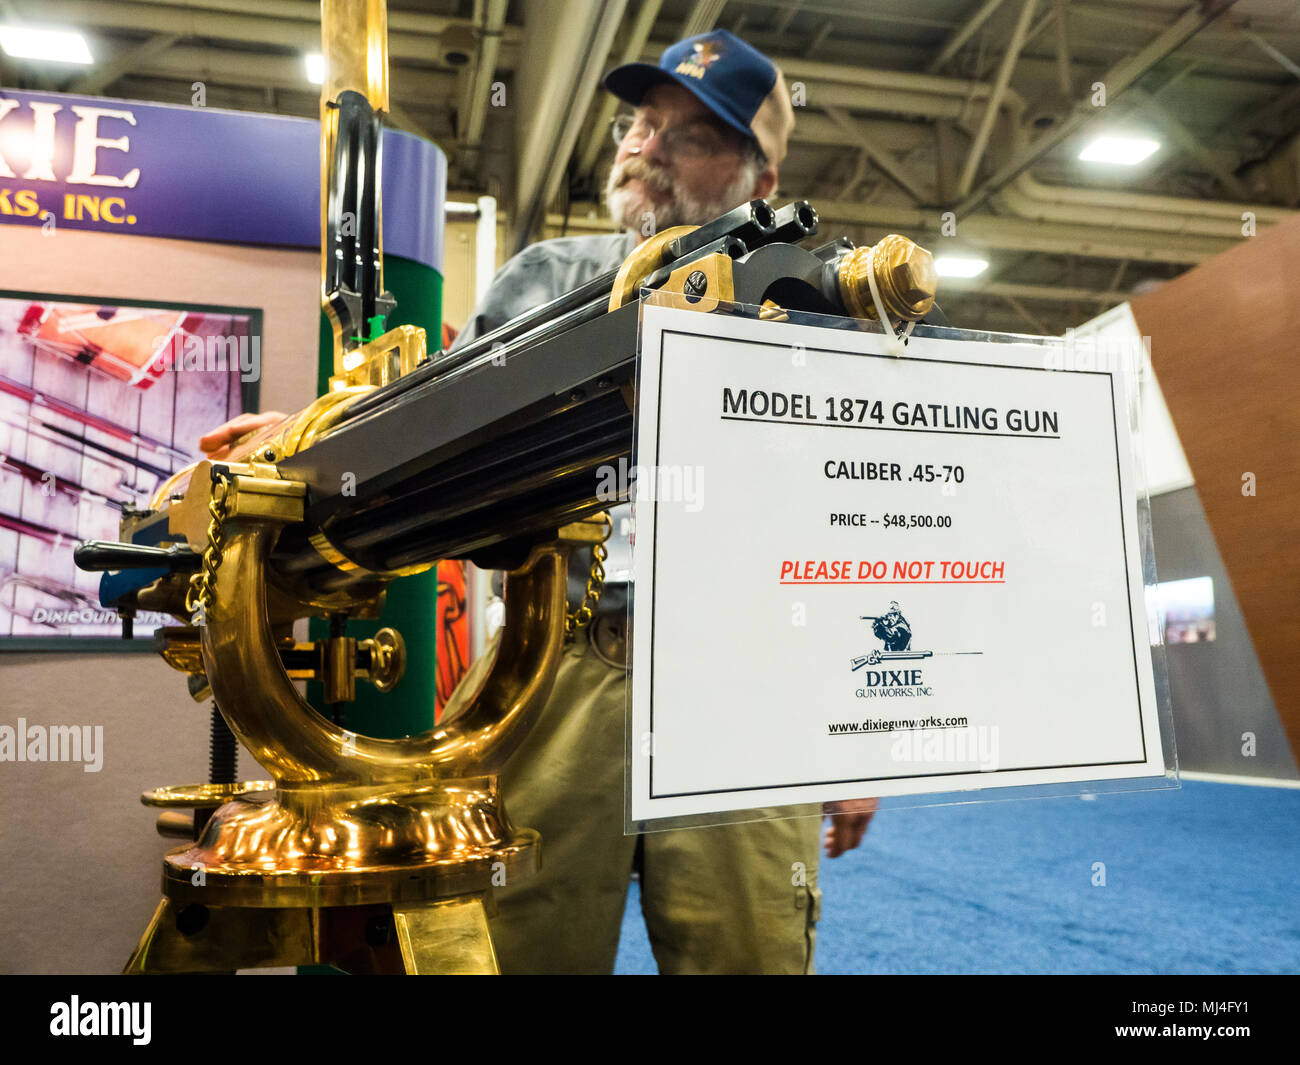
(654, 176)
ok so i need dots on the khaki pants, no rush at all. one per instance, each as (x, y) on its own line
(732, 899)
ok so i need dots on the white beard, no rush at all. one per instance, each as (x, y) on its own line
(635, 210)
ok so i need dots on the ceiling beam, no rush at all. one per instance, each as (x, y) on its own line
(819, 37)
(103, 75)
(262, 27)
(964, 32)
(982, 231)
(637, 36)
(306, 11)
(863, 12)
(702, 18)
(919, 191)
(1188, 142)
(552, 98)
(1282, 60)
(783, 20)
(489, 32)
(1064, 64)
(1023, 311)
(1118, 78)
(1000, 84)
(190, 63)
(1042, 293)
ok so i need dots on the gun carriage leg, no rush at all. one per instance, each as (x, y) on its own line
(449, 936)
(376, 855)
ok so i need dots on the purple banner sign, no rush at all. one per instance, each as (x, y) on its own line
(193, 173)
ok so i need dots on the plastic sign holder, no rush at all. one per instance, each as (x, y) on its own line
(919, 577)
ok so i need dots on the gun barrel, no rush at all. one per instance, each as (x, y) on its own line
(479, 452)
(470, 453)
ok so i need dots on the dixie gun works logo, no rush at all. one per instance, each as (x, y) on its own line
(894, 631)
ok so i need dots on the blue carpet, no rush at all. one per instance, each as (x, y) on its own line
(1203, 879)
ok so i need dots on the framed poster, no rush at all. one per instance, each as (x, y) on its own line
(101, 400)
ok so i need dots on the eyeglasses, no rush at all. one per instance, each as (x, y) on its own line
(694, 141)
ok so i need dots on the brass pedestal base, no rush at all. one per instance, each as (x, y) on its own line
(367, 879)
(448, 936)
(352, 845)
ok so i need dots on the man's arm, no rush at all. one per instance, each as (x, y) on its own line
(217, 443)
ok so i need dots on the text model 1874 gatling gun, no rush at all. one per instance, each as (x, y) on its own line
(377, 854)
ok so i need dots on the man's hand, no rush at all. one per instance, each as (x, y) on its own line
(217, 443)
(848, 824)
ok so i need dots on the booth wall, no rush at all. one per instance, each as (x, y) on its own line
(80, 858)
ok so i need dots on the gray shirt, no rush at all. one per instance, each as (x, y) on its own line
(537, 275)
(542, 272)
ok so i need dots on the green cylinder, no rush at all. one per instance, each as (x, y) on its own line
(411, 606)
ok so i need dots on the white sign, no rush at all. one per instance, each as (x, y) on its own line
(864, 575)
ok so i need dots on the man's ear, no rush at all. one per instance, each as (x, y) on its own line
(765, 184)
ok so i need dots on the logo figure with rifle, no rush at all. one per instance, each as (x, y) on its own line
(894, 631)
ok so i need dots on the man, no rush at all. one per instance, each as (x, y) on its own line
(709, 130)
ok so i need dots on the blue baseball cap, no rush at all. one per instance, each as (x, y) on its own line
(734, 80)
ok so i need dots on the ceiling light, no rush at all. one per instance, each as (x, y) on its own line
(1121, 151)
(959, 266)
(54, 46)
(315, 67)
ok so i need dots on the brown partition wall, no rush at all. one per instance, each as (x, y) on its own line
(1225, 342)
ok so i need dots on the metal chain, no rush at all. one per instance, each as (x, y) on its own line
(595, 585)
(202, 587)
